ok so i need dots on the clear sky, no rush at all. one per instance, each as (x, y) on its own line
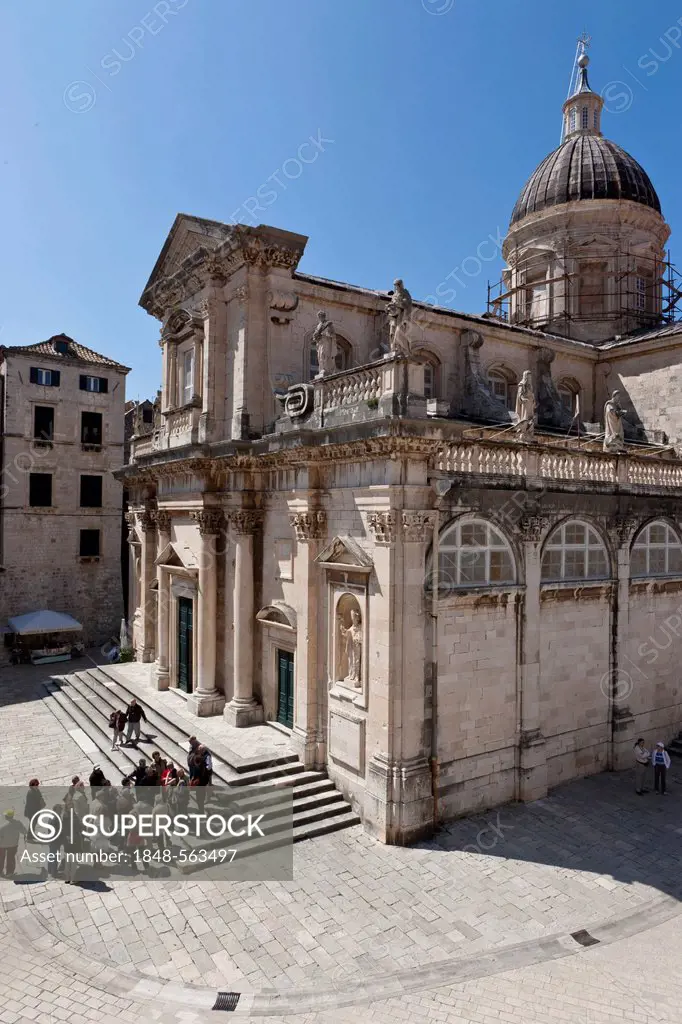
(429, 115)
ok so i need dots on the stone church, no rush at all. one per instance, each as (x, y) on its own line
(443, 550)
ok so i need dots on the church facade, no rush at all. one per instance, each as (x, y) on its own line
(443, 550)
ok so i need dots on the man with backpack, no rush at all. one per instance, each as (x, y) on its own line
(117, 722)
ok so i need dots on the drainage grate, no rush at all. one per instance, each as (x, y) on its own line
(226, 1001)
(584, 938)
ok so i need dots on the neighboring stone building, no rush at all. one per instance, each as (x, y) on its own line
(342, 526)
(62, 414)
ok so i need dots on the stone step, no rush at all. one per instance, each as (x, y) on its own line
(113, 682)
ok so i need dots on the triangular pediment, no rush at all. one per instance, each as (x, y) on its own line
(344, 552)
(171, 556)
(187, 236)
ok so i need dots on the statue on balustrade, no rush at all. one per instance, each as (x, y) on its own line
(324, 340)
(399, 311)
(614, 431)
(525, 408)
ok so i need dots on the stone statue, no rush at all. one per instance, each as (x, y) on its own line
(353, 637)
(324, 340)
(525, 407)
(399, 311)
(614, 432)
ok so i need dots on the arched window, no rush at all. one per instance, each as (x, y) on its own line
(343, 357)
(472, 553)
(569, 391)
(431, 368)
(503, 385)
(656, 552)
(574, 551)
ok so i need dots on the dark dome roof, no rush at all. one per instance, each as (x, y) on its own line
(585, 167)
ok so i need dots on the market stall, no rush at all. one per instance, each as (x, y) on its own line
(44, 636)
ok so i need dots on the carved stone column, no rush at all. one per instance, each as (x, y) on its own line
(147, 636)
(243, 710)
(399, 794)
(310, 527)
(163, 526)
(134, 583)
(532, 760)
(206, 699)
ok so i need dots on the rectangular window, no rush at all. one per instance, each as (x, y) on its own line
(40, 490)
(89, 544)
(100, 385)
(640, 293)
(91, 428)
(91, 492)
(188, 378)
(574, 118)
(46, 378)
(585, 118)
(596, 119)
(43, 422)
(429, 381)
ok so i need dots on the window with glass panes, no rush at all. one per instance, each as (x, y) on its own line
(574, 551)
(474, 553)
(502, 387)
(656, 552)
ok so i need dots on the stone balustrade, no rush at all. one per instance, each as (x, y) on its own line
(364, 385)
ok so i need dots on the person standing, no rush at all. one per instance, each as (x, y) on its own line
(642, 759)
(661, 762)
(117, 721)
(11, 832)
(134, 715)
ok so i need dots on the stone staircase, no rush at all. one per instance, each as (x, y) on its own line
(84, 700)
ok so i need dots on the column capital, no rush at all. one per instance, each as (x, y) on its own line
(163, 521)
(148, 520)
(532, 527)
(210, 520)
(417, 525)
(310, 525)
(383, 526)
(624, 527)
(245, 521)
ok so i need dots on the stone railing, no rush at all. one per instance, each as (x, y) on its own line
(353, 387)
(654, 474)
(577, 467)
(454, 458)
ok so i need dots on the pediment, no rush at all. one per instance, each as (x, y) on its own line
(187, 235)
(182, 558)
(345, 553)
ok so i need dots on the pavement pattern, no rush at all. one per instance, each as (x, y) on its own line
(473, 925)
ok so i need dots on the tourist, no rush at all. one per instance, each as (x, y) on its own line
(159, 762)
(134, 715)
(138, 775)
(75, 796)
(97, 779)
(193, 744)
(661, 762)
(117, 722)
(11, 832)
(200, 774)
(34, 799)
(642, 759)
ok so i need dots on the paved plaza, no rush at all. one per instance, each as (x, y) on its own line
(477, 924)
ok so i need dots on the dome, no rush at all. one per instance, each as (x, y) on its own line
(585, 166)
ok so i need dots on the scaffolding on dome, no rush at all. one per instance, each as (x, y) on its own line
(633, 291)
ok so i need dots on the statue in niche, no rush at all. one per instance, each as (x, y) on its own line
(399, 311)
(614, 431)
(525, 408)
(324, 340)
(352, 635)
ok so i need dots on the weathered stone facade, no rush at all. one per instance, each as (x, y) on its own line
(448, 611)
(45, 434)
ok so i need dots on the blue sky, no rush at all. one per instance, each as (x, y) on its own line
(429, 115)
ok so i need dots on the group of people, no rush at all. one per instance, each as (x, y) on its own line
(158, 786)
(658, 758)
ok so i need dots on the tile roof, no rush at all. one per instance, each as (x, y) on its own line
(74, 351)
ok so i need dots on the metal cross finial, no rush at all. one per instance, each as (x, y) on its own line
(584, 41)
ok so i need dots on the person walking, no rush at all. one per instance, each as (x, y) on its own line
(642, 759)
(34, 799)
(134, 715)
(117, 722)
(661, 762)
(11, 832)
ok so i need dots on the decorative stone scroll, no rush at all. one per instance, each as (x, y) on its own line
(210, 520)
(245, 521)
(309, 525)
(417, 526)
(382, 526)
(299, 401)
